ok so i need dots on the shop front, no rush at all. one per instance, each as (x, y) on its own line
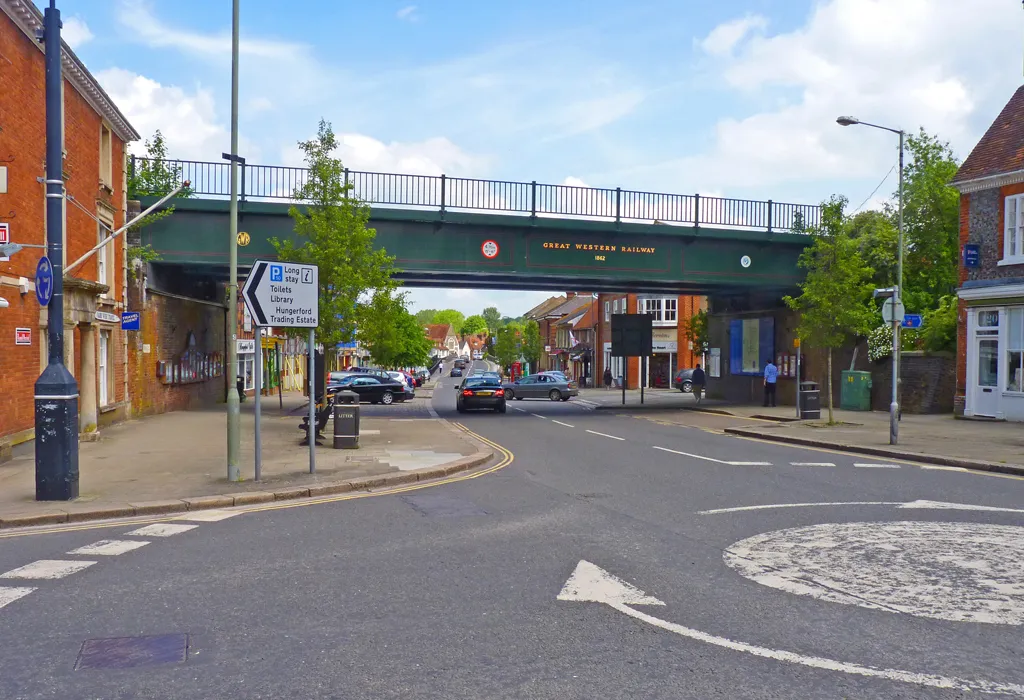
(661, 364)
(995, 352)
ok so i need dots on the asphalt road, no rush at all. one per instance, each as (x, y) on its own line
(881, 584)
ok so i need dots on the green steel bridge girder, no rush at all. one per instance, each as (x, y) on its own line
(445, 249)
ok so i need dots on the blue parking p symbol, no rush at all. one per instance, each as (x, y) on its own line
(276, 273)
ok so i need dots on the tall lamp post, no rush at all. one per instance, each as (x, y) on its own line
(894, 406)
(234, 413)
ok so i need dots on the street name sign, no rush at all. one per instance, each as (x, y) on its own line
(285, 295)
(913, 320)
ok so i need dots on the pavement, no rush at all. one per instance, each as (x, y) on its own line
(608, 555)
(177, 461)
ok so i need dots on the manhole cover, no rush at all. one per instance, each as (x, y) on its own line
(439, 505)
(133, 652)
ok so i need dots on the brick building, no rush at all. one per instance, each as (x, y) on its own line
(95, 134)
(990, 339)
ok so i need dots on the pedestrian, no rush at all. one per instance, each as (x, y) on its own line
(607, 378)
(697, 380)
(771, 376)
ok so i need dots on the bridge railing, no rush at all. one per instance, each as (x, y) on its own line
(277, 182)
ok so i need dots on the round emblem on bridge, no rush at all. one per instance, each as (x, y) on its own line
(490, 249)
(745, 261)
(243, 238)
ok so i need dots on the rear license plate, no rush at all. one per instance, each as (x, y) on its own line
(485, 393)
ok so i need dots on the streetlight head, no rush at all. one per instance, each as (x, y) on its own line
(847, 121)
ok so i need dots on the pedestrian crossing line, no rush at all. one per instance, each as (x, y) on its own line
(9, 594)
(561, 423)
(162, 530)
(870, 465)
(48, 569)
(109, 548)
(812, 464)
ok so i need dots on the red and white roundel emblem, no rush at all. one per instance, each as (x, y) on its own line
(490, 249)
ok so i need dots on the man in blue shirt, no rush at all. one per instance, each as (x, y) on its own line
(771, 376)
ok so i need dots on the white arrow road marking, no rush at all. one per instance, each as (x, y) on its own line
(10, 594)
(918, 505)
(590, 583)
(614, 601)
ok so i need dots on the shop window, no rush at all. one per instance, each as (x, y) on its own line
(1015, 349)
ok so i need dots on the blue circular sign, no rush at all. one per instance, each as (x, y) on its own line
(44, 281)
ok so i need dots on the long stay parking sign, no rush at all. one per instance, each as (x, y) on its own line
(285, 295)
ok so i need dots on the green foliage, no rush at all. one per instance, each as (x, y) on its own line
(880, 343)
(877, 239)
(425, 317)
(473, 325)
(450, 316)
(939, 330)
(138, 257)
(533, 346)
(507, 346)
(696, 330)
(493, 318)
(799, 225)
(331, 227)
(392, 335)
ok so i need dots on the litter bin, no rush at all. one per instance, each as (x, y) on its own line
(240, 388)
(856, 392)
(810, 401)
(346, 420)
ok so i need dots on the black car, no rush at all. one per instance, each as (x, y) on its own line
(480, 392)
(456, 372)
(371, 388)
(683, 380)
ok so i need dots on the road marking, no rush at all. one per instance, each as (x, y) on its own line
(47, 569)
(687, 454)
(868, 465)
(537, 415)
(750, 464)
(10, 594)
(812, 464)
(561, 423)
(109, 548)
(589, 583)
(515, 408)
(890, 674)
(162, 530)
(772, 506)
(209, 516)
(934, 467)
(594, 432)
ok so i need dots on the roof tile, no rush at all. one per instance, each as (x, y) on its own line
(1001, 149)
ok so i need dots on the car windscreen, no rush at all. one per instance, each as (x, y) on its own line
(475, 382)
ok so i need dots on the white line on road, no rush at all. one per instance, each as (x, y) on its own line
(8, 594)
(869, 465)
(797, 505)
(561, 423)
(812, 464)
(750, 464)
(48, 569)
(943, 469)
(594, 432)
(209, 516)
(162, 530)
(518, 409)
(537, 415)
(109, 548)
(687, 454)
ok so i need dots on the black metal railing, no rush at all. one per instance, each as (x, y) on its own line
(260, 182)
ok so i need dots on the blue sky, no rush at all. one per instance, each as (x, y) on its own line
(735, 99)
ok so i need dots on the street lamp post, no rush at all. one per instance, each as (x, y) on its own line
(894, 406)
(233, 400)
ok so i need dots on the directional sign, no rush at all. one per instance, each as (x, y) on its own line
(131, 320)
(282, 294)
(893, 312)
(912, 320)
(44, 281)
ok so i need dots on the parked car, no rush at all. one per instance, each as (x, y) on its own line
(422, 375)
(456, 372)
(555, 373)
(372, 389)
(480, 393)
(683, 380)
(541, 386)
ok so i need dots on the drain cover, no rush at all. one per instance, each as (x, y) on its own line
(439, 505)
(133, 652)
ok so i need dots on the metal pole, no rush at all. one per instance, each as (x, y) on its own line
(894, 407)
(312, 400)
(798, 381)
(258, 369)
(280, 394)
(234, 414)
(56, 391)
(643, 376)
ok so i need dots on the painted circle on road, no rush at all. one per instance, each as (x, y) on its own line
(490, 249)
(963, 572)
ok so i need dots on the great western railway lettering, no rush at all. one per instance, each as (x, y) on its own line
(600, 248)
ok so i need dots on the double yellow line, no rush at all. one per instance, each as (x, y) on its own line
(506, 459)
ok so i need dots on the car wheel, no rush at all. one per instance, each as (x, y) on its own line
(555, 395)
(687, 387)
(501, 408)
(459, 407)
(388, 398)
(565, 398)
(509, 394)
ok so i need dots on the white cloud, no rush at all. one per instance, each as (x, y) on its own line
(259, 104)
(474, 301)
(724, 38)
(432, 156)
(75, 32)
(407, 14)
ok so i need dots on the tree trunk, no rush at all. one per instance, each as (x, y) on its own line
(828, 379)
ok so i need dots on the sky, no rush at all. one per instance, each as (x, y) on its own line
(735, 99)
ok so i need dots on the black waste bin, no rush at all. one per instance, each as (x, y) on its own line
(240, 388)
(810, 401)
(346, 420)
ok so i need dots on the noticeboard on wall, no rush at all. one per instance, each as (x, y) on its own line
(751, 345)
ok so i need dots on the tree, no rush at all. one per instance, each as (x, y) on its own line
(473, 325)
(493, 318)
(331, 229)
(877, 238)
(834, 296)
(425, 317)
(940, 325)
(533, 346)
(151, 176)
(696, 330)
(393, 336)
(450, 317)
(506, 346)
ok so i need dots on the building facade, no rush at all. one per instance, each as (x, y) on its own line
(990, 339)
(95, 136)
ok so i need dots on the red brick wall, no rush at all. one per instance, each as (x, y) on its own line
(22, 145)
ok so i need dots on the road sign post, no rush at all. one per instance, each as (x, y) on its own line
(258, 372)
(285, 295)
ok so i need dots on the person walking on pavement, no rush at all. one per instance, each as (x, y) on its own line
(697, 380)
(771, 376)
(607, 378)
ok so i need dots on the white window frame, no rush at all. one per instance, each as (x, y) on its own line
(607, 311)
(103, 368)
(670, 307)
(664, 310)
(1013, 230)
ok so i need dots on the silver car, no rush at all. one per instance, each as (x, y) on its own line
(541, 386)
